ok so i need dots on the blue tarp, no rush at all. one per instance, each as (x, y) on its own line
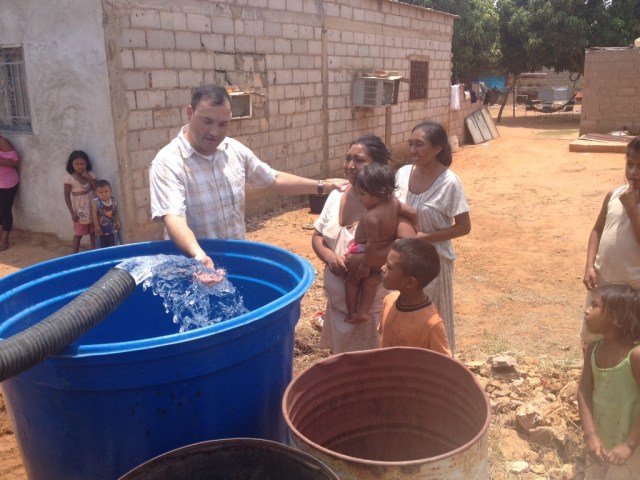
(493, 82)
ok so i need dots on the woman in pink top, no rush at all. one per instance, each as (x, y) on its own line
(9, 181)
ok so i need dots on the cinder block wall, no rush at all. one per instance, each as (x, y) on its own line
(301, 55)
(611, 90)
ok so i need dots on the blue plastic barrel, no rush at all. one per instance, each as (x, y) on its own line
(133, 387)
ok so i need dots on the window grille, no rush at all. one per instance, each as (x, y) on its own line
(15, 115)
(419, 85)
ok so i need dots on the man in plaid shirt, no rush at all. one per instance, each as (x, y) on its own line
(198, 180)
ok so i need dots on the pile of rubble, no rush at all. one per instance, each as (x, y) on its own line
(535, 431)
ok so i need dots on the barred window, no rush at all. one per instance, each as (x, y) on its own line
(14, 101)
(419, 78)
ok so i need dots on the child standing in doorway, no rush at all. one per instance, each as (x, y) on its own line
(613, 253)
(105, 215)
(409, 319)
(79, 185)
(375, 233)
(609, 393)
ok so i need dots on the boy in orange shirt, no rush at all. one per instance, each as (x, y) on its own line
(409, 319)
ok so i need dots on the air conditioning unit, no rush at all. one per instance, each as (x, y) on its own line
(374, 92)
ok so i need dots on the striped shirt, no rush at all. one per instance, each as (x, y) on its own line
(208, 190)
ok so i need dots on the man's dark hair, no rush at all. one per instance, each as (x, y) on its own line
(214, 94)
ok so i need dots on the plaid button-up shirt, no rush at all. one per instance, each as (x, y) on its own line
(208, 190)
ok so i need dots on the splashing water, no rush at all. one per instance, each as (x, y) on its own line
(177, 280)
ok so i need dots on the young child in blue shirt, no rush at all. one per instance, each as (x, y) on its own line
(105, 215)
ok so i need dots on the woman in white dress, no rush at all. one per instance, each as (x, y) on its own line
(436, 193)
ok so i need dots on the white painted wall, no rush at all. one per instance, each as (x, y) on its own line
(65, 62)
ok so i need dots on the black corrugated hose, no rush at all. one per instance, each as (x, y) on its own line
(32, 346)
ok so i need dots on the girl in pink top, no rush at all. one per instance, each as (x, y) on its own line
(9, 181)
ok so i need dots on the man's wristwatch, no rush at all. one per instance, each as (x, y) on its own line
(320, 187)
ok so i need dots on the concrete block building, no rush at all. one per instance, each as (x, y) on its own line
(611, 100)
(114, 77)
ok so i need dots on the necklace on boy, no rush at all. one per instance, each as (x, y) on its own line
(425, 303)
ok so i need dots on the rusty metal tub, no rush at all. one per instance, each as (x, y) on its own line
(393, 413)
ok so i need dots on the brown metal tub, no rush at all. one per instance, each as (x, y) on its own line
(393, 413)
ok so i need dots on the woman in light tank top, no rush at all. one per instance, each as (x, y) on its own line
(613, 252)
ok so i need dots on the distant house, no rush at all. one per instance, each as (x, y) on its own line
(113, 78)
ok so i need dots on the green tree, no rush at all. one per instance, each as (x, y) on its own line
(475, 36)
(542, 33)
(556, 33)
(614, 23)
(517, 36)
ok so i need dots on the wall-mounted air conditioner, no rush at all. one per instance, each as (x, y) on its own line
(374, 91)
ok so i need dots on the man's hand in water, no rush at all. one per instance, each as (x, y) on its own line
(210, 276)
(205, 260)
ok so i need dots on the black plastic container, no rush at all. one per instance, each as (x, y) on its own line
(233, 459)
(317, 201)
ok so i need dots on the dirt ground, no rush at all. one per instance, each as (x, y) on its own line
(518, 278)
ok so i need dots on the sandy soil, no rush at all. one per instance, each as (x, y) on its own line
(518, 280)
